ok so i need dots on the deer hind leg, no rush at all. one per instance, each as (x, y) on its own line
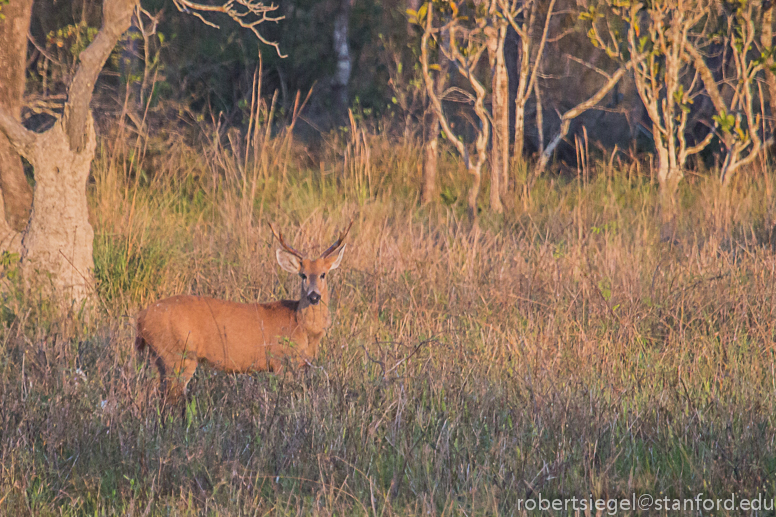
(175, 372)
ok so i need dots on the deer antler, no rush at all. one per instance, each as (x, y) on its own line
(279, 237)
(338, 242)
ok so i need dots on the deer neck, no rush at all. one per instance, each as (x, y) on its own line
(314, 318)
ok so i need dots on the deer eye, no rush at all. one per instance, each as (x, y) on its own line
(304, 277)
(323, 275)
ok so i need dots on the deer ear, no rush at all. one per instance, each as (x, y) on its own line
(335, 260)
(288, 261)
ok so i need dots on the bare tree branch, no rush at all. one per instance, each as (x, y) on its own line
(570, 115)
(247, 13)
(116, 18)
(20, 137)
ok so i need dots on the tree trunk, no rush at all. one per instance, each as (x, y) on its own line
(669, 174)
(431, 141)
(501, 110)
(517, 151)
(662, 166)
(497, 163)
(474, 192)
(766, 39)
(57, 244)
(59, 237)
(10, 239)
(430, 155)
(17, 193)
(342, 53)
(539, 117)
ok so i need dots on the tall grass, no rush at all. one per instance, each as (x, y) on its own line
(578, 346)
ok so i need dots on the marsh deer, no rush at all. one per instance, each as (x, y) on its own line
(183, 330)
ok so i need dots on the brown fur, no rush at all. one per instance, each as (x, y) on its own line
(183, 330)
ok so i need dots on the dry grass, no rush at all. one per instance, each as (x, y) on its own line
(576, 347)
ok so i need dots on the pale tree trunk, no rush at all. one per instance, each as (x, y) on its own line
(474, 191)
(57, 245)
(430, 157)
(524, 32)
(17, 193)
(430, 138)
(431, 141)
(342, 54)
(502, 117)
(517, 150)
(669, 172)
(539, 116)
(10, 239)
(499, 160)
(59, 237)
(480, 144)
(766, 38)
(428, 189)
(668, 178)
(665, 173)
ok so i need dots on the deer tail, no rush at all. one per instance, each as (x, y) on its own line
(140, 343)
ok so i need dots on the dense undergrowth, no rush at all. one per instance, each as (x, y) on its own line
(583, 343)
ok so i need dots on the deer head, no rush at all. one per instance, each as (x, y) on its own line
(312, 272)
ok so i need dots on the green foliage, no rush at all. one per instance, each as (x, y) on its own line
(766, 54)
(730, 124)
(73, 38)
(120, 271)
(591, 15)
(418, 17)
(682, 99)
(725, 121)
(9, 264)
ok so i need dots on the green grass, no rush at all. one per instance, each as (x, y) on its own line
(578, 346)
